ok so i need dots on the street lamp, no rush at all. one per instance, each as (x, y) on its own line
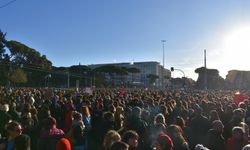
(163, 62)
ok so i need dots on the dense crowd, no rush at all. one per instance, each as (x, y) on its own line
(138, 119)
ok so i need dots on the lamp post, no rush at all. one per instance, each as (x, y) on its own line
(163, 62)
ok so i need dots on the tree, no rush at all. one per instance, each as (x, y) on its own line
(2, 44)
(4, 60)
(152, 78)
(33, 62)
(18, 76)
(111, 69)
(133, 71)
(22, 54)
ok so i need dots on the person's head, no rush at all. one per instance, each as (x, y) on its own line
(145, 115)
(213, 115)
(77, 116)
(159, 118)
(159, 127)
(238, 114)
(119, 110)
(164, 142)
(22, 142)
(136, 111)
(174, 131)
(110, 138)
(131, 137)
(119, 145)
(4, 108)
(198, 110)
(108, 117)
(180, 121)
(218, 126)
(49, 123)
(85, 111)
(245, 128)
(77, 132)
(112, 108)
(14, 129)
(247, 147)
(238, 133)
(63, 144)
(200, 147)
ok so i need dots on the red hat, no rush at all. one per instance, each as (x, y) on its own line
(63, 144)
(165, 141)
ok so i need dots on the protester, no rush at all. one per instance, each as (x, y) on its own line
(110, 138)
(164, 142)
(215, 139)
(237, 141)
(14, 130)
(50, 135)
(120, 146)
(94, 119)
(131, 138)
(176, 134)
(22, 142)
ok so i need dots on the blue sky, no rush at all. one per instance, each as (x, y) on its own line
(106, 31)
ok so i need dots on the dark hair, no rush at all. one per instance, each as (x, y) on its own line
(49, 122)
(13, 126)
(77, 132)
(22, 142)
(119, 146)
(129, 134)
(77, 115)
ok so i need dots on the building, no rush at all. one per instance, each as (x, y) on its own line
(142, 79)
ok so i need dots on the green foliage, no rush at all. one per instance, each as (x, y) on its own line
(22, 54)
(133, 70)
(111, 69)
(18, 76)
(152, 78)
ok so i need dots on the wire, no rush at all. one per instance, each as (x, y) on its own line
(5, 5)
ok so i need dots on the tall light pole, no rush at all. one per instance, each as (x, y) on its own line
(205, 69)
(163, 52)
(163, 61)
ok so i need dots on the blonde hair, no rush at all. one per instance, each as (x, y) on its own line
(111, 137)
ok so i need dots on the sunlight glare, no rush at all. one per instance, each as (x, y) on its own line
(237, 48)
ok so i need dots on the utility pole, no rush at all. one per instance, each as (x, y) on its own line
(205, 69)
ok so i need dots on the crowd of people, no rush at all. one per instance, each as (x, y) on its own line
(135, 119)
